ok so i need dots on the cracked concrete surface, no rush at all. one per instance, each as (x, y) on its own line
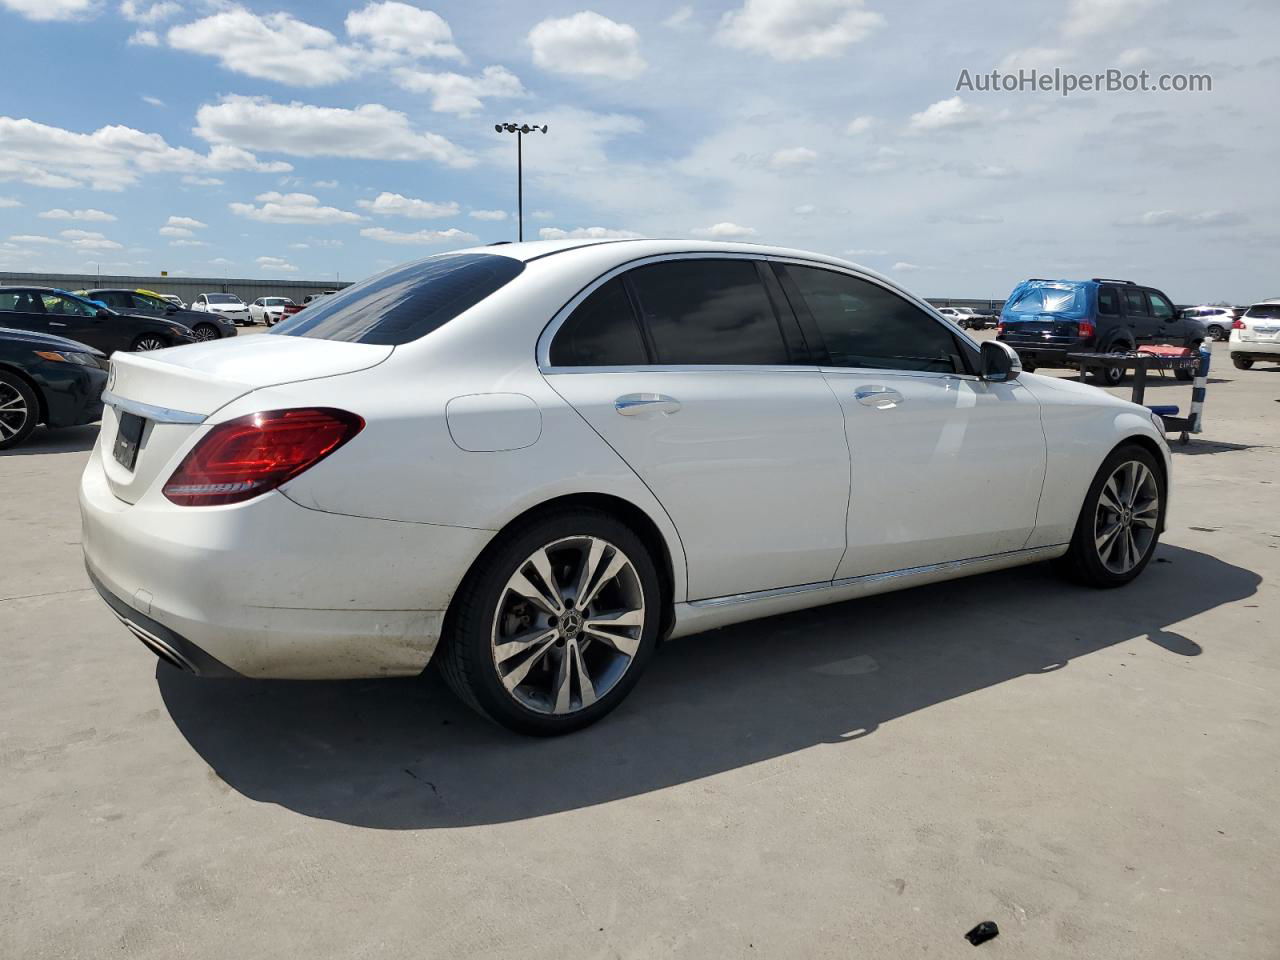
(1097, 772)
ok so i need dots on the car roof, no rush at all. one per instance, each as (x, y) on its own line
(1268, 303)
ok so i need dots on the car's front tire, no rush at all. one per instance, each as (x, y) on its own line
(1217, 333)
(552, 628)
(204, 332)
(148, 341)
(1242, 363)
(1120, 522)
(19, 410)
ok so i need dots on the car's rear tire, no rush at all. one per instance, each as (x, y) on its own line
(19, 410)
(1242, 363)
(149, 341)
(204, 332)
(1120, 521)
(542, 662)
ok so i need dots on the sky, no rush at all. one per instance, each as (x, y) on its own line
(325, 140)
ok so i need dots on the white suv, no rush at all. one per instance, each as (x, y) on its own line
(1217, 320)
(1256, 335)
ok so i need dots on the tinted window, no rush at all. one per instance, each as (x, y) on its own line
(708, 311)
(404, 303)
(20, 301)
(601, 332)
(864, 325)
(1049, 297)
(67, 306)
(1135, 303)
(223, 298)
(1108, 300)
(1160, 307)
(1264, 311)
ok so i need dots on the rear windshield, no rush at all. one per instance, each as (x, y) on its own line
(1264, 311)
(406, 302)
(223, 298)
(1068, 300)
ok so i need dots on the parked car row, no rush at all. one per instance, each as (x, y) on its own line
(967, 318)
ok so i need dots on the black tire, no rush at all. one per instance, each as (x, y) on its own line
(1029, 366)
(1242, 363)
(19, 410)
(148, 341)
(467, 659)
(1217, 333)
(1110, 376)
(1083, 562)
(205, 332)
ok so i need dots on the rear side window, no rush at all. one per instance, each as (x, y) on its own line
(708, 312)
(1108, 301)
(404, 303)
(865, 325)
(1135, 303)
(601, 332)
(1160, 307)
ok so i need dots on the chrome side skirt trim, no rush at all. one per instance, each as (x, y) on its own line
(698, 615)
(149, 411)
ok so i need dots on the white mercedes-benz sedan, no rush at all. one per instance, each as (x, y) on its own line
(534, 462)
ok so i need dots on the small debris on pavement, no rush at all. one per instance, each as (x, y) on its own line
(986, 930)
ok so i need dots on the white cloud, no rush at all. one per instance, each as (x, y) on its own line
(275, 265)
(1089, 17)
(370, 131)
(275, 46)
(952, 112)
(588, 233)
(190, 223)
(57, 213)
(176, 232)
(9, 202)
(724, 231)
(680, 20)
(324, 184)
(1177, 219)
(587, 43)
(477, 214)
(792, 157)
(455, 93)
(293, 208)
(395, 205)
(33, 238)
(154, 101)
(859, 125)
(903, 267)
(52, 9)
(866, 252)
(797, 29)
(88, 240)
(144, 38)
(110, 158)
(202, 181)
(401, 28)
(805, 210)
(1034, 58)
(149, 12)
(187, 243)
(419, 237)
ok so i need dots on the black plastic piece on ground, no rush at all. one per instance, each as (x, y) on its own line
(986, 930)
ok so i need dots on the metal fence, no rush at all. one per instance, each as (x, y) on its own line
(188, 288)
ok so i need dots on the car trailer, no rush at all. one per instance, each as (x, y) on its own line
(1177, 359)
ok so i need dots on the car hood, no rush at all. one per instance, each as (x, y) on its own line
(10, 335)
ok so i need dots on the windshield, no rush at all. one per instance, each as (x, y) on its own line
(223, 298)
(1264, 311)
(1061, 298)
(406, 302)
(275, 301)
(150, 301)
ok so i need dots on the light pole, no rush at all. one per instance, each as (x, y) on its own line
(519, 130)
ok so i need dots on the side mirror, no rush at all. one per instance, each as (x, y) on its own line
(1000, 362)
(102, 313)
(170, 310)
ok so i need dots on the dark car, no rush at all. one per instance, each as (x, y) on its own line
(49, 380)
(144, 303)
(1044, 320)
(63, 314)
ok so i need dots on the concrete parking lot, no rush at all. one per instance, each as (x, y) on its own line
(1096, 772)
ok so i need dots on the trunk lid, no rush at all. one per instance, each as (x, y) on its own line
(174, 390)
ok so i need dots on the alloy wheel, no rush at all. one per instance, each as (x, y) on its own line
(568, 625)
(13, 411)
(1128, 510)
(204, 333)
(148, 343)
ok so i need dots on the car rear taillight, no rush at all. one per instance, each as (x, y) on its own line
(1238, 325)
(999, 328)
(1085, 329)
(250, 455)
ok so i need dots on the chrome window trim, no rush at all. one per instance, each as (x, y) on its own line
(549, 332)
(149, 411)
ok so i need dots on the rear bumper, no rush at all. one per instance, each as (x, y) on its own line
(1041, 355)
(1264, 349)
(268, 588)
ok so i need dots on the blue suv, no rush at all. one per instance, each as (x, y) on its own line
(1044, 320)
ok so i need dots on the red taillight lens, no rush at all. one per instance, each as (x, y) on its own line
(1237, 325)
(248, 456)
(1085, 330)
(999, 329)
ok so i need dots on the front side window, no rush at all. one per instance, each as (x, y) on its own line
(1161, 308)
(1135, 303)
(601, 332)
(702, 311)
(865, 325)
(405, 302)
(67, 307)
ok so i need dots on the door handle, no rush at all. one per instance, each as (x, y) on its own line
(54, 324)
(874, 395)
(634, 404)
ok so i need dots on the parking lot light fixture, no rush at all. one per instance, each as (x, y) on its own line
(519, 130)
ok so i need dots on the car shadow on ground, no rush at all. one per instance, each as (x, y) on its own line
(1195, 447)
(64, 440)
(404, 754)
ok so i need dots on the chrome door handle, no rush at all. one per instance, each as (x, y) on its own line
(633, 404)
(874, 395)
(53, 324)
